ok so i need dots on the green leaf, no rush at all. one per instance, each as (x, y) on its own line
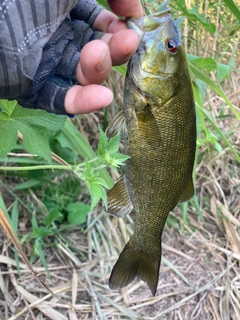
(223, 71)
(27, 184)
(7, 106)
(121, 69)
(35, 141)
(15, 215)
(38, 250)
(204, 113)
(97, 193)
(104, 4)
(82, 147)
(95, 185)
(32, 124)
(106, 146)
(204, 63)
(200, 75)
(113, 144)
(103, 143)
(78, 212)
(115, 160)
(233, 7)
(53, 215)
(193, 14)
(221, 134)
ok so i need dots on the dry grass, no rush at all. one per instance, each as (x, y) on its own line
(207, 259)
(200, 271)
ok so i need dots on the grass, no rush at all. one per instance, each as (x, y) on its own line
(200, 271)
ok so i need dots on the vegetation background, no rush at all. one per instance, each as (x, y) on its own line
(50, 194)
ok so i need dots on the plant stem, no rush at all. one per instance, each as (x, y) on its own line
(36, 168)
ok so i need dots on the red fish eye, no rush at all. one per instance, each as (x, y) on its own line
(172, 45)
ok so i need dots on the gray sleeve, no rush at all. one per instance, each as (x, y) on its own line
(26, 27)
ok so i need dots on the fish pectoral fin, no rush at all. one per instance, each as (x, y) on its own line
(117, 124)
(188, 191)
(119, 202)
(131, 264)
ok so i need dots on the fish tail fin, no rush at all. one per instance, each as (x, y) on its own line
(131, 264)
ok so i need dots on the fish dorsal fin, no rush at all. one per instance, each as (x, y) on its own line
(117, 124)
(188, 192)
(119, 202)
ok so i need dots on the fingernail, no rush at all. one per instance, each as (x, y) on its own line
(105, 61)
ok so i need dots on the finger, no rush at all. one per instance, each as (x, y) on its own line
(106, 21)
(126, 8)
(122, 45)
(103, 20)
(87, 99)
(95, 63)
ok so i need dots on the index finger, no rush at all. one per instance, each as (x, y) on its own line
(126, 8)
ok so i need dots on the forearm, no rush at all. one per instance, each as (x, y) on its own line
(25, 27)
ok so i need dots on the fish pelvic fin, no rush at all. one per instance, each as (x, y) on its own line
(119, 202)
(131, 264)
(118, 124)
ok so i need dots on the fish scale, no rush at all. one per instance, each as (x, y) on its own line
(160, 138)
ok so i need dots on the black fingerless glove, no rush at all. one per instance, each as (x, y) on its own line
(57, 70)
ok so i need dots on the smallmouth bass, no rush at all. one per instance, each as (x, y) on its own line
(160, 138)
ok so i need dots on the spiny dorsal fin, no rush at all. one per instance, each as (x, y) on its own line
(119, 202)
(117, 124)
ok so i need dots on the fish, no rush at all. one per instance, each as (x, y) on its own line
(158, 124)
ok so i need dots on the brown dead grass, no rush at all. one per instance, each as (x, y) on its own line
(200, 271)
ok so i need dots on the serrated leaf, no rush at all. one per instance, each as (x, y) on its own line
(95, 185)
(97, 193)
(82, 147)
(77, 212)
(36, 142)
(7, 106)
(113, 144)
(8, 134)
(32, 124)
(108, 148)
(116, 160)
(103, 142)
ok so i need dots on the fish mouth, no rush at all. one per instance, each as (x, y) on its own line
(148, 23)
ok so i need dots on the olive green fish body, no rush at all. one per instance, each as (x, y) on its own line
(161, 135)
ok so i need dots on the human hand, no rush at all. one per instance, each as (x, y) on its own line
(97, 57)
(73, 64)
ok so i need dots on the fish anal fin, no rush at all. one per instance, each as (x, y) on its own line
(188, 192)
(118, 124)
(131, 264)
(119, 202)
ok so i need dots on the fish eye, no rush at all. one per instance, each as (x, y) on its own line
(172, 45)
